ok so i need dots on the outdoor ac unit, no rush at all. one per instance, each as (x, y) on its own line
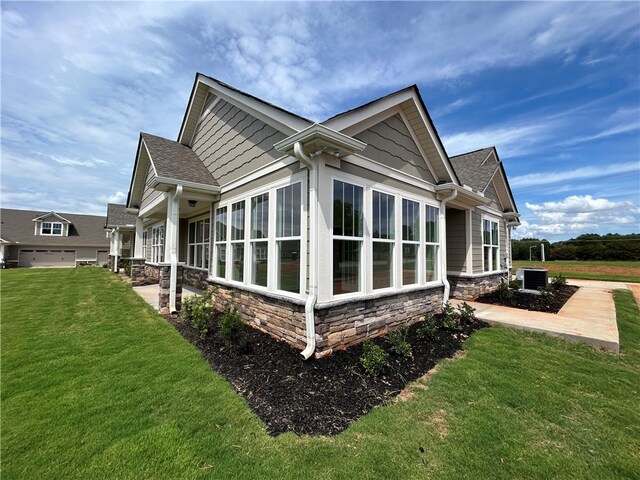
(533, 278)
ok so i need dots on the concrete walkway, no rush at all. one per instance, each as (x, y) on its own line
(588, 317)
(150, 293)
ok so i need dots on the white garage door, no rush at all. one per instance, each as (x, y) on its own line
(47, 258)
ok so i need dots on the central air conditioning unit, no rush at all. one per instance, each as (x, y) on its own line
(532, 279)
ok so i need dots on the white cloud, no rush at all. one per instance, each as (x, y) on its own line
(118, 197)
(579, 214)
(510, 141)
(551, 177)
(91, 163)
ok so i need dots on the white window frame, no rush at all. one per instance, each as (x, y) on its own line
(367, 254)
(52, 227)
(493, 262)
(393, 241)
(285, 238)
(205, 244)
(418, 243)
(364, 245)
(157, 248)
(218, 243)
(145, 238)
(434, 244)
(271, 239)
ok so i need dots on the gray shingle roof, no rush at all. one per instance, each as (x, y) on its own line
(118, 217)
(176, 161)
(471, 171)
(17, 226)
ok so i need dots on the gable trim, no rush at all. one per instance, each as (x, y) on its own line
(41, 217)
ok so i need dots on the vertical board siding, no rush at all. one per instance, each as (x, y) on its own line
(232, 143)
(390, 143)
(476, 241)
(456, 240)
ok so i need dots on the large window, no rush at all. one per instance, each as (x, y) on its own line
(410, 241)
(220, 243)
(51, 228)
(383, 233)
(288, 210)
(198, 244)
(259, 239)
(431, 243)
(490, 245)
(157, 244)
(237, 241)
(347, 237)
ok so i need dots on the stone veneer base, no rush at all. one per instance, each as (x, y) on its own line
(470, 288)
(337, 327)
(195, 277)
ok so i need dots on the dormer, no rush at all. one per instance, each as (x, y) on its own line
(51, 224)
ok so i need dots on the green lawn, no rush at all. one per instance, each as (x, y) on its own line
(96, 385)
(589, 270)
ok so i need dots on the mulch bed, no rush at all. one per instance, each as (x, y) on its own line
(530, 301)
(317, 397)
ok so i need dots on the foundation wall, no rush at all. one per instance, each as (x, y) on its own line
(470, 288)
(195, 277)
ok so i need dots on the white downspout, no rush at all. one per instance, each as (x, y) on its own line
(443, 245)
(117, 244)
(313, 252)
(175, 218)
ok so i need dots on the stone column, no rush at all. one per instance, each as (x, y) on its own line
(164, 292)
(137, 271)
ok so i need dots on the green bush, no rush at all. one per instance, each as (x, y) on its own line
(515, 285)
(197, 309)
(126, 265)
(233, 330)
(558, 281)
(428, 330)
(465, 311)
(504, 291)
(449, 317)
(374, 358)
(398, 342)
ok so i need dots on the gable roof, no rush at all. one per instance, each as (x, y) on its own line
(279, 118)
(474, 169)
(50, 214)
(16, 227)
(175, 161)
(117, 216)
(410, 102)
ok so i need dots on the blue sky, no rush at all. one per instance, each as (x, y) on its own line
(554, 86)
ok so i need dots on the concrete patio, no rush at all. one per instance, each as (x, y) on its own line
(150, 293)
(588, 317)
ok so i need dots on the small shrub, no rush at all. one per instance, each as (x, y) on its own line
(197, 309)
(558, 281)
(398, 342)
(428, 330)
(126, 266)
(504, 291)
(233, 330)
(466, 312)
(449, 317)
(547, 291)
(374, 358)
(515, 285)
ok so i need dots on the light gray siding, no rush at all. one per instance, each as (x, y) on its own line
(456, 241)
(476, 241)
(86, 253)
(390, 143)
(503, 240)
(490, 193)
(231, 143)
(149, 194)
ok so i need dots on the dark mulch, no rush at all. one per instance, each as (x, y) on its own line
(551, 303)
(317, 397)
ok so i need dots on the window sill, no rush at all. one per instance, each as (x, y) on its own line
(279, 295)
(354, 297)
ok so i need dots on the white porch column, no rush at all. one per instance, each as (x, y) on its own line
(137, 252)
(116, 236)
(173, 222)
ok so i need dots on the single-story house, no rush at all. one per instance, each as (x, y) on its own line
(121, 229)
(49, 239)
(321, 234)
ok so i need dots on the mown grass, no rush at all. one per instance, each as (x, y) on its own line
(618, 271)
(96, 385)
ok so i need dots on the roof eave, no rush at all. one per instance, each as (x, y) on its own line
(166, 183)
(322, 137)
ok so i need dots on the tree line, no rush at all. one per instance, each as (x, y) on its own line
(590, 246)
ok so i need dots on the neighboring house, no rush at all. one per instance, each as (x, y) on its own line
(121, 229)
(50, 239)
(321, 234)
